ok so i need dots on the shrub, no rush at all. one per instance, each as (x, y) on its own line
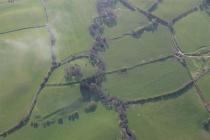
(91, 107)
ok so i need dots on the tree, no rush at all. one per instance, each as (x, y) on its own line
(60, 121)
(91, 107)
(73, 73)
(206, 124)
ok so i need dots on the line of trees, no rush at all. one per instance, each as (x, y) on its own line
(206, 124)
(152, 26)
(11, 1)
(73, 73)
(173, 94)
(91, 88)
(184, 14)
(153, 7)
(72, 117)
(154, 17)
(127, 4)
(106, 13)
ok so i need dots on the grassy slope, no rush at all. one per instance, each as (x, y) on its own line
(192, 32)
(169, 9)
(147, 81)
(68, 28)
(142, 3)
(178, 119)
(150, 45)
(204, 84)
(24, 12)
(70, 21)
(101, 124)
(126, 22)
(24, 61)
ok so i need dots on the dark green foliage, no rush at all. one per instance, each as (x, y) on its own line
(206, 124)
(60, 121)
(91, 107)
(73, 73)
(89, 88)
(73, 116)
(34, 124)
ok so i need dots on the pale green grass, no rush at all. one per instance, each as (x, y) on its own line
(204, 84)
(129, 51)
(169, 9)
(101, 124)
(127, 21)
(25, 58)
(193, 31)
(147, 81)
(142, 3)
(70, 20)
(24, 61)
(21, 14)
(176, 119)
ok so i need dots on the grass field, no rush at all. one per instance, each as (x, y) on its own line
(178, 119)
(204, 84)
(101, 124)
(70, 21)
(127, 21)
(192, 32)
(150, 45)
(169, 9)
(147, 81)
(143, 3)
(23, 64)
(25, 59)
(24, 13)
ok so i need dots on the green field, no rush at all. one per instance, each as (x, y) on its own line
(192, 32)
(24, 61)
(143, 82)
(71, 20)
(25, 56)
(149, 46)
(178, 119)
(169, 9)
(204, 84)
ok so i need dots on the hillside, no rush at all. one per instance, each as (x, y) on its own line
(104, 69)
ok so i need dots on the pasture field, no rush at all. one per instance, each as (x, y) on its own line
(169, 9)
(143, 3)
(127, 21)
(24, 13)
(70, 20)
(177, 119)
(204, 84)
(147, 81)
(101, 124)
(149, 46)
(24, 61)
(192, 32)
(32, 32)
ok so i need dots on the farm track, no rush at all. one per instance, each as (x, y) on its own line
(180, 53)
(119, 105)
